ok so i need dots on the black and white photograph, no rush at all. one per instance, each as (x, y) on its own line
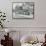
(23, 9)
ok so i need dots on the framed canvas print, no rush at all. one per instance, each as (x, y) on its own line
(22, 10)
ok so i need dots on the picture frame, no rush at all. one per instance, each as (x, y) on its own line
(23, 10)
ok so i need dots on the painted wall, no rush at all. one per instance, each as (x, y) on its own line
(36, 24)
(39, 16)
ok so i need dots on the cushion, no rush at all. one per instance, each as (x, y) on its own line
(26, 39)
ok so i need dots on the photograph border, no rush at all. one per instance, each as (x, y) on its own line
(23, 18)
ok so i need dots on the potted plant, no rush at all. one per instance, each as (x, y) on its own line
(2, 18)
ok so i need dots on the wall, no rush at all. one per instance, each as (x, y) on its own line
(39, 16)
(36, 24)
